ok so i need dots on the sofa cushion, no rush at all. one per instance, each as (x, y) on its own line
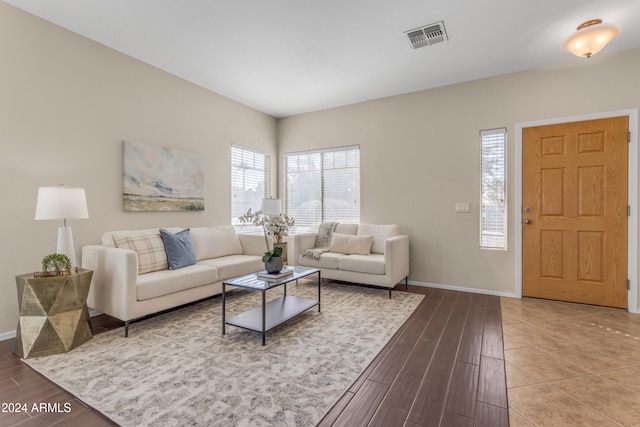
(214, 242)
(179, 248)
(346, 244)
(109, 240)
(380, 233)
(159, 283)
(234, 265)
(372, 264)
(346, 229)
(327, 260)
(148, 245)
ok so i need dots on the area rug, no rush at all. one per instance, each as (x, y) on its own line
(177, 369)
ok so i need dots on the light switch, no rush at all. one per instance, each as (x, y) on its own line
(463, 207)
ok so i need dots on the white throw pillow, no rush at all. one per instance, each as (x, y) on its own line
(148, 245)
(351, 245)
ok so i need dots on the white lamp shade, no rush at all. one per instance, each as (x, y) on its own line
(271, 206)
(590, 39)
(61, 203)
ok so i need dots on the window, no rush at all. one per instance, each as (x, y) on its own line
(323, 185)
(493, 224)
(249, 180)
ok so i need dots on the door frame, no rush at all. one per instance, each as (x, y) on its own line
(632, 229)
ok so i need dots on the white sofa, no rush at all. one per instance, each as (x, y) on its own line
(385, 266)
(132, 280)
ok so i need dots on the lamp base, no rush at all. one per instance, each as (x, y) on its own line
(65, 244)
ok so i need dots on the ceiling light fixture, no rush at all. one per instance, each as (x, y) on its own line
(590, 38)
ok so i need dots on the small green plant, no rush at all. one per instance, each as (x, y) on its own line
(56, 261)
(277, 251)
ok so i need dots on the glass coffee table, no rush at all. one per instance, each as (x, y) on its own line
(273, 313)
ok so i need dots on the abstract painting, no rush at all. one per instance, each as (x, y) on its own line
(162, 179)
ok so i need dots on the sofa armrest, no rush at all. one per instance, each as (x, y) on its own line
(252, 244)
(396, 257)
(302, 242)
(115, 274)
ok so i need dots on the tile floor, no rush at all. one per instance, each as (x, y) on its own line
(571, 364)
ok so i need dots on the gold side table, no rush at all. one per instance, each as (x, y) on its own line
(54, 317)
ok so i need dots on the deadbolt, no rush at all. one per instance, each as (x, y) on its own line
(528, 210)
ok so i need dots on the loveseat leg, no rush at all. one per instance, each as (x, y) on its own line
(389, 293)
(406, 283)
(126, 328)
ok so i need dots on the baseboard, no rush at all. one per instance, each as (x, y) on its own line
(463, 289)
(7, 335)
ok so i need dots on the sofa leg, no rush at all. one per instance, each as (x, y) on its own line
(406, 283)
(389, 293)
(126, 328)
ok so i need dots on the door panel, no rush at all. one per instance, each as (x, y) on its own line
(575, 212)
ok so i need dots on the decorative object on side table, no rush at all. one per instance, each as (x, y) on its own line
(54, 317)
(273, 260)
(56, 261)
(62, 203)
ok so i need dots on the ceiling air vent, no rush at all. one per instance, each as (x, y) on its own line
(427, 35)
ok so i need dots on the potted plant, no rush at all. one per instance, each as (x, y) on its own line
(51, 266)
(273, 260)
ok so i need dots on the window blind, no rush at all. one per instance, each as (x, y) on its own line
(249, 180)
(493, 213)
(323, 185)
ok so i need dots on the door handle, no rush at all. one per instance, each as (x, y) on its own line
(527, 221)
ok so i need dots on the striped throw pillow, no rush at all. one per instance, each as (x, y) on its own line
(149, 246)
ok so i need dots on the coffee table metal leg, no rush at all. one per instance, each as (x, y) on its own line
(223, 308)
(263, 316)
(319, 281)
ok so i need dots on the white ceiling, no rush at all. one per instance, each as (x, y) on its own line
(286, 57)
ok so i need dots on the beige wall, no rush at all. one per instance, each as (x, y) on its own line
(420, 155)
(66, 105)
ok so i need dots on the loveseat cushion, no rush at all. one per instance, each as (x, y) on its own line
(327, 260)
(372, 264)
(148, 245)
(234, 265)
(159, 283)
(350, 229)
(346, 244)
(380, 233)
(214, 242)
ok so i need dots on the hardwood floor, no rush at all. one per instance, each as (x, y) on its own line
(444, 367)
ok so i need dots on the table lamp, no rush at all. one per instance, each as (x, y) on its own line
(62, 203)
(271, 207)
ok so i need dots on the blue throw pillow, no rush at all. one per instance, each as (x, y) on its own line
(179, 248)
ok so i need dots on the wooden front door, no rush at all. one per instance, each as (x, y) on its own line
(574, 211)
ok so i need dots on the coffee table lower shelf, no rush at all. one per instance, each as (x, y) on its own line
(276, 312)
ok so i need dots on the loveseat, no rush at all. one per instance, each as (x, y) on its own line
(132, 279)
(384, 263)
